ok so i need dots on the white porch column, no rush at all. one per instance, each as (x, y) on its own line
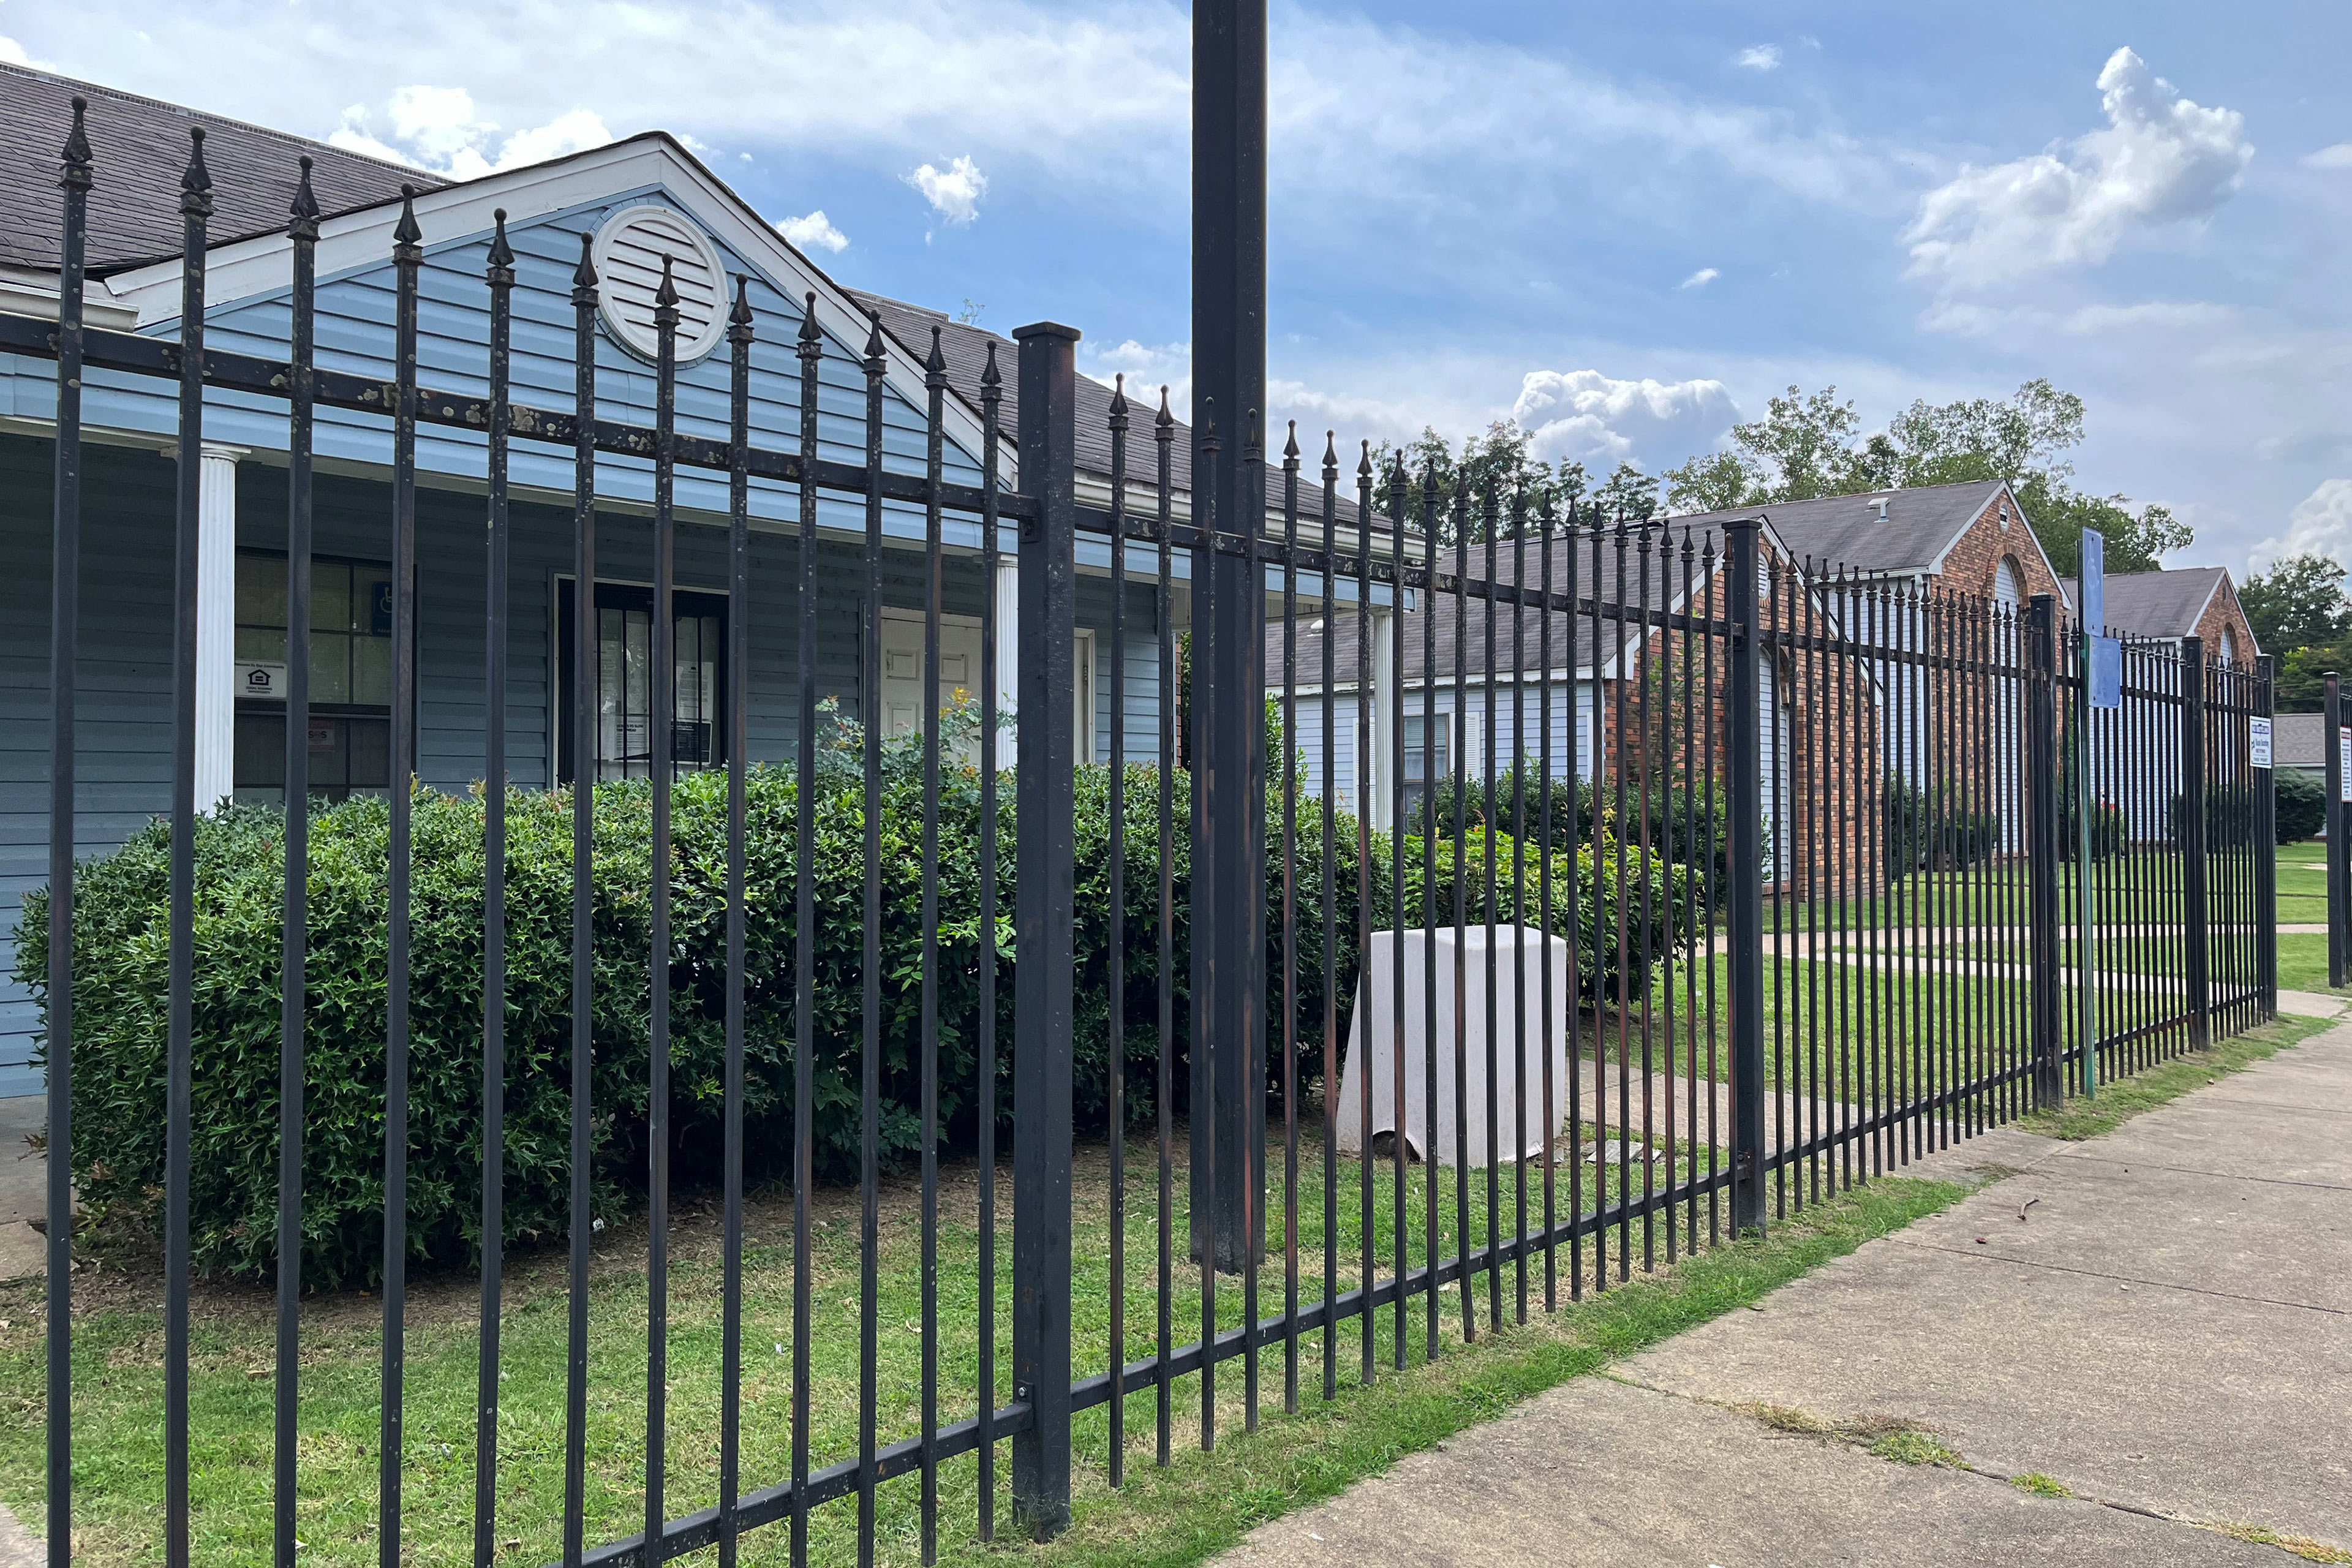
(1377, 768)
(1008, 634)
(216, 624)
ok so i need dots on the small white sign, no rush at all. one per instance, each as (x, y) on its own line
(2258, 741)
(267, 682)
(2344, 764)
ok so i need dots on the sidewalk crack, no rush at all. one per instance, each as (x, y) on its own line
(1985, 1257)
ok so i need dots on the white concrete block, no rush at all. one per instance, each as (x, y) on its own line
(1525, 1042)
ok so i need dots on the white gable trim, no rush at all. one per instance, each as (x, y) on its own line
(451, 214)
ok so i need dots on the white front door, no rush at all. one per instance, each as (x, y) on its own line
(902, 669)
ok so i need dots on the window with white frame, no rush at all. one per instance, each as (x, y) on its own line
(350, 725)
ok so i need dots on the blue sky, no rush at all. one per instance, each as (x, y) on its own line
(1628, 226)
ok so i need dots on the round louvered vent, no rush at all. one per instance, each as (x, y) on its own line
(628, 259)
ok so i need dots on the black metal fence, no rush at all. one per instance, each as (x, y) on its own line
(1615, 888)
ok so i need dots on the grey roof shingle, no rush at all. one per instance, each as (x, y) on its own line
(2299, 740)
(1846, 532)
(963, 348)
(139, 147)
(1664, 584)
(2158, 604)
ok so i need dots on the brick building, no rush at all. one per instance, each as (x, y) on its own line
(2187, 601)
(1651, 693)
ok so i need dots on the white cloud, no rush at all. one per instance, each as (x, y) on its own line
(2162, 159)
(435, 128)
(1147, 367)
(2336, 157)
(813, 232)
(1759, 57)
(574, 132)
(953, 192)
(1700, 279)
(2320, 523)
(13, 52)
(2149, 315)
(1593, 418)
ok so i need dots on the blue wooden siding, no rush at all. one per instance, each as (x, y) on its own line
(354, 334)
(124, 676)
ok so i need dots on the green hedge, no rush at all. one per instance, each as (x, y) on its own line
(121, 943)
(2298, 805)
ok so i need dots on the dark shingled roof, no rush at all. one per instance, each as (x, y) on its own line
(2300, 740)
(965, 349)
(139, 147)
(1664, 581)
(1846, 532)
(2158, 604)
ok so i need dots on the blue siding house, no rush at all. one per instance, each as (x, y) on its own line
(640, 199)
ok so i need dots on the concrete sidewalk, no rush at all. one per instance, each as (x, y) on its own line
(2166, 1331)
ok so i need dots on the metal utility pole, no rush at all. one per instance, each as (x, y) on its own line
(1229, 222)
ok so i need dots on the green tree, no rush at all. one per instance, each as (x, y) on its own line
(1500, 459)
(2299, 611)
(1714, 481)
(1810, 445)
(1628, 492)
(2298, 603)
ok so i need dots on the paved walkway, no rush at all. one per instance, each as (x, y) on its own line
(2166, 1333)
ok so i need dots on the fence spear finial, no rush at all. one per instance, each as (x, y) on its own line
(664, 295)
(501, 257)
(812, 337)
(75, 175)
(1118, 401)
(1364, 464)
(877, 359)
(305, 208)
(739, 319)
(1290, 446)
(196, 181)
(935, 366)
(1164, 419)
(407, 238)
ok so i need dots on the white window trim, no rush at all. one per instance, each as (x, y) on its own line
(1082, 695)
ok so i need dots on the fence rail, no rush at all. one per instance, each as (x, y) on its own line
(1640, 882)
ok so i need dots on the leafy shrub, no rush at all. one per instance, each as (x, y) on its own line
(2108, 831)
(2299, 801)
(1683, 823)
(121, 943)
(2229, 817)
(1942, 833)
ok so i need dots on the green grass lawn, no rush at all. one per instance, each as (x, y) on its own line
(2303, 963)
(2302, 889)
(119, 1344)
(1832, 1031)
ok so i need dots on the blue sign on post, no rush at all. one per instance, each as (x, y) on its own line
(2093, 580)
(2105, 654)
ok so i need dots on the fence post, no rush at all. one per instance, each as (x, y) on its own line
(2041, 841)
(2331, 750)
(2266, 843)
(2192, 842)
(1044, 805)
(1744, 800)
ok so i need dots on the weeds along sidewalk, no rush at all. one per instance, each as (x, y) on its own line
(2124, 1341)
